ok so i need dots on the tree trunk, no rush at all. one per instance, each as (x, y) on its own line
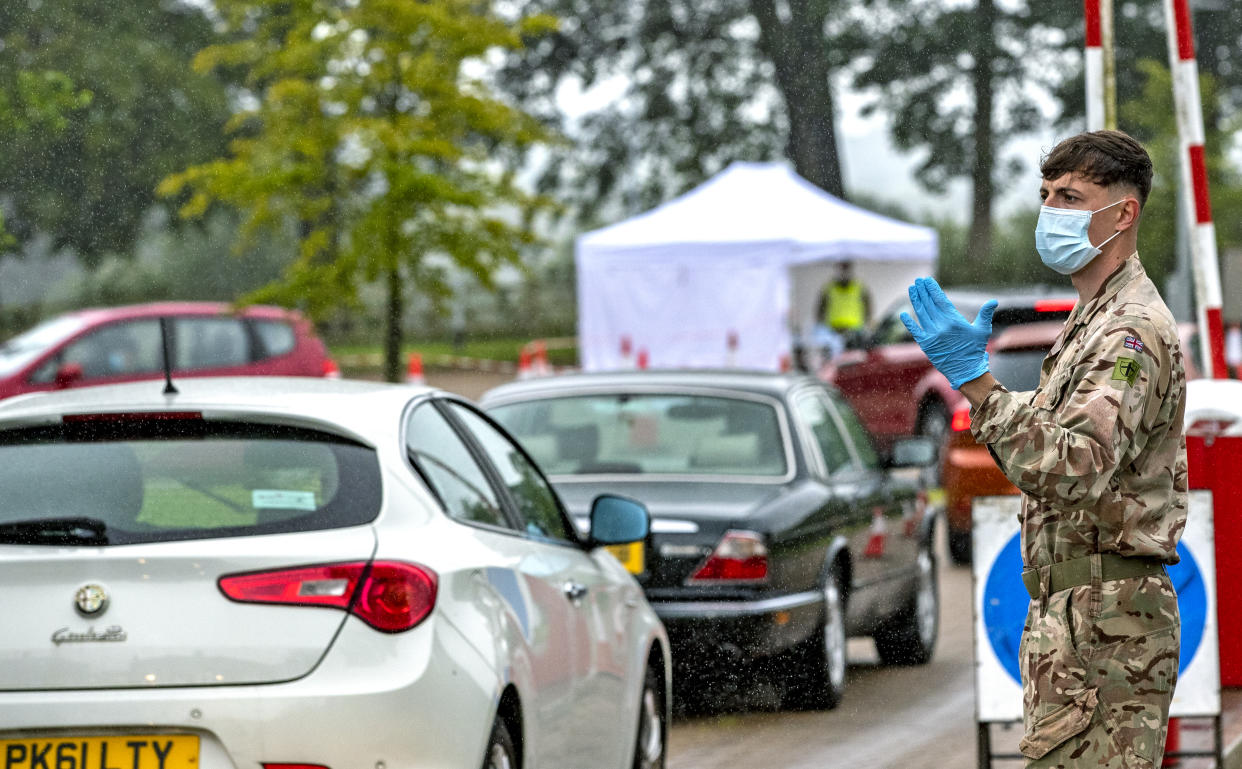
(979, 243)
(799, 54)
(393, 331)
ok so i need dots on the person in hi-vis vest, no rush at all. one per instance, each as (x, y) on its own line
(843, 311)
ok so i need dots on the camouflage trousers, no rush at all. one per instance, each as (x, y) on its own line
(1099, 663)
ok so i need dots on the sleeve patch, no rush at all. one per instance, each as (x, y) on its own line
(1134, 343)
(1126, 370)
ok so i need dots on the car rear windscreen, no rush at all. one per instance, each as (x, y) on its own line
(1018, 369)
(657, 434)
(127, 482)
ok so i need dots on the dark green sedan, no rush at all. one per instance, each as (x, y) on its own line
(777, 531)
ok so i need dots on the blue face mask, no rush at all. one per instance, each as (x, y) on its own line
(1061, 238)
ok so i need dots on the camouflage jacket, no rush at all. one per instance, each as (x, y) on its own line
(1098, 449)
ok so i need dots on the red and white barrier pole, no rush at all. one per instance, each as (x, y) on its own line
(1093, 69)
(1195, 184)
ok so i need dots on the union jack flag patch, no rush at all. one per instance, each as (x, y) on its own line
(1134, 343)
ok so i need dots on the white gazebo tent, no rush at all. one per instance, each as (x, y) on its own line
(728, 273)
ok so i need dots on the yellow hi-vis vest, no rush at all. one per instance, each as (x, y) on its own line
(846, 310)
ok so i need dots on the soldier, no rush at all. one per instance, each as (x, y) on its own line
(1099, 454)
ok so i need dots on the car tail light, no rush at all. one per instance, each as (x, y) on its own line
(740, 556)
(1054, 305)
(330, 369)
(132, 416)
(961, 419)
(390, 596)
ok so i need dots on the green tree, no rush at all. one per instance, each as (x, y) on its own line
(697, 84)
(89, 184)
(1151, 115)
(33, 103)
(368, 134)
(958, 81)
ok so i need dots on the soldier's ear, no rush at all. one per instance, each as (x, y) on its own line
(1127, 213)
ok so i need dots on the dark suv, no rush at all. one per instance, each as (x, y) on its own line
(894, 387)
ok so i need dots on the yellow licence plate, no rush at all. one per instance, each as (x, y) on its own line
(137, 751)
(631, 556)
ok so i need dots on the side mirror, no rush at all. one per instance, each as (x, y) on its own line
(914, 451)
(68, 375)
(618, 520)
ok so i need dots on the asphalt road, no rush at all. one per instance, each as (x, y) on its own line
(913, 718)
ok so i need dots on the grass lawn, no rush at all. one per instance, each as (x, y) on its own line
(561, 352)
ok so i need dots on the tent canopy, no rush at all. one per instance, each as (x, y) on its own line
(727, 273)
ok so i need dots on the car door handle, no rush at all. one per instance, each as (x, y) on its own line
(575, 591)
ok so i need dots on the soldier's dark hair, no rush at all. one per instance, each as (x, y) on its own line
(1102, 157)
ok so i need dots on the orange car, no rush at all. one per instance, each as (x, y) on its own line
(967, 469)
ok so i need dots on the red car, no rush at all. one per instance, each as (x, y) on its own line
(124, 344)
(967, 469)
(894, 387)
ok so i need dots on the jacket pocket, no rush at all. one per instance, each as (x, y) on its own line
(1065, 722)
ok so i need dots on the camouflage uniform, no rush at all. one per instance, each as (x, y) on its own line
(1099, 453)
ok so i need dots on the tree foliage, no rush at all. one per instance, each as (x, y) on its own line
(114, 82)
(694, 85)
(367, 134)
(959, 81)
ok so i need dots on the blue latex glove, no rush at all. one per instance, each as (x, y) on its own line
(958, 348)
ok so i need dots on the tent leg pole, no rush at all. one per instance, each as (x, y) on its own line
(983, 743)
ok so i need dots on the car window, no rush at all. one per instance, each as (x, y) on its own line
(892, 331)
(1018, 369)
(813, 412)
(210, 343)
(857, 433)
(117, 349)
(449, 468)
(655, 434)
(162, 480)
(275, 336)
(537, 504)
(24, 348)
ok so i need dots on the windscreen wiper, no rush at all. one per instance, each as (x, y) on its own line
(55, 531)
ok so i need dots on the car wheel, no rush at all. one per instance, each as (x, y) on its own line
(650, 747)
(818, 680)
(500, 751)
(960, 547)
(911, 638)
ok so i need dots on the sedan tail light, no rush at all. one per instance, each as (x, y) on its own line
(961, 419)
(390, 596)
(330, 369)
(740, 556)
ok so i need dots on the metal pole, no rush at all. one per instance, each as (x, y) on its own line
(1093, 65)
(1189, 110)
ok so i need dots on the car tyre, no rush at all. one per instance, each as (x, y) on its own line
(818, 681)
(911, 638)
(501, 754)
(651, 742)
(960, 547)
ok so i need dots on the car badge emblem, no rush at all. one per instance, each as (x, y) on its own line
(91, 600)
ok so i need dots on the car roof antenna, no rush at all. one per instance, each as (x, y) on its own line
(169, 389)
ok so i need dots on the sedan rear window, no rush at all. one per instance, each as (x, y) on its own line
(658, 434)
(161, 480)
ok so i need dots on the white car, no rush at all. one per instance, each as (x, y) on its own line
(298, 574)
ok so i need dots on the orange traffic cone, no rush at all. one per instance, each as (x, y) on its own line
(879, 533)
(524, 370)
(414, 370)
(541, 365)
(642, 359)
(786, 363)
